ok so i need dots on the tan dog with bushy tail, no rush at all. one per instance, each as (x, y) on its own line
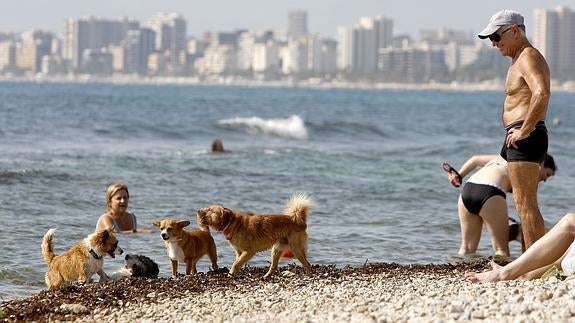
(186, 246)
(250, 233)
(82, 261)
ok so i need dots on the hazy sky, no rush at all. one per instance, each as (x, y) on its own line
(324, 16)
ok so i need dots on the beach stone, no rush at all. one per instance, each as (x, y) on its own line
(456, 308)
(544, 295)
(74, 308)
(479, 314)
(559, 292)
(288, 273)
(518, 299)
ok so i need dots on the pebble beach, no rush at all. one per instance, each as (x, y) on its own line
(372, 293)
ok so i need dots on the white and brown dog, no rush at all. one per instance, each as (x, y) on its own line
(251, 233)
(82, 261)
(186, 246)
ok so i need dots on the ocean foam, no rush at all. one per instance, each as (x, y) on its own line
(290, 127)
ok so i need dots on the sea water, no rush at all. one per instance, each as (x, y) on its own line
(370, 159)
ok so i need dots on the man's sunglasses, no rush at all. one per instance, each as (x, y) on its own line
(496, 36)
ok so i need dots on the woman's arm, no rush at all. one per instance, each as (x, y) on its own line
(105, 223)
(474, 162)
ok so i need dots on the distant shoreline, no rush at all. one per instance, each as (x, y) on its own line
(492, 85)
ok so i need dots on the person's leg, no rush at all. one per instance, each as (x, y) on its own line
(524, 177)
(471, 225)
(537, 273)
(494, 214)
(544, 252)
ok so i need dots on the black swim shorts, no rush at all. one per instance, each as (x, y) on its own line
(475, 195)
(530, 149)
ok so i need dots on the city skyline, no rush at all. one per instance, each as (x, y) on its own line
(324, 16)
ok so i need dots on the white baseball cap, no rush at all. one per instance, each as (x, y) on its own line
(501, 18)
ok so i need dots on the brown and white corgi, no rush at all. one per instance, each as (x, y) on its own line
(186, 246)
(82, 261)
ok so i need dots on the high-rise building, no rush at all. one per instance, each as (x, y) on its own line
(53, 65)
(360, 45)
(554, 36)
(119, 58)
(412, 65)
(137, 46)
(345, 49)
(97, 62)
(156, 64)
(328, 56)
(265, 57)
(366, 59)
(35, 44)
(297, 51)
(223, 38)
(297, 23)
(246, 42)
(217, 59)
(171, 36)
(7, 55)
(93, 34)
(383, 28)
(196, 47)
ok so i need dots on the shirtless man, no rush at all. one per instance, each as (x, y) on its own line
(527, 92)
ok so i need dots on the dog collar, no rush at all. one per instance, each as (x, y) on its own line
(228, 235)
(94, 254)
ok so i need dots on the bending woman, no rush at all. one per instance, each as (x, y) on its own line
(117, 218)
(483, 200)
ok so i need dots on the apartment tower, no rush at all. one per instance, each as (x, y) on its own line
(554, 36)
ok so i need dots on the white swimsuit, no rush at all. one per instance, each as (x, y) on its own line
(484, 182)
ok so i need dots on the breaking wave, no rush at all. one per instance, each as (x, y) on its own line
(290, 127)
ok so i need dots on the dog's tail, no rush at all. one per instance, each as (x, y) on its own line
(298, 207)
(47, 246)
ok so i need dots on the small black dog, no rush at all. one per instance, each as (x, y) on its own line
(142, 266)
(137, 266)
